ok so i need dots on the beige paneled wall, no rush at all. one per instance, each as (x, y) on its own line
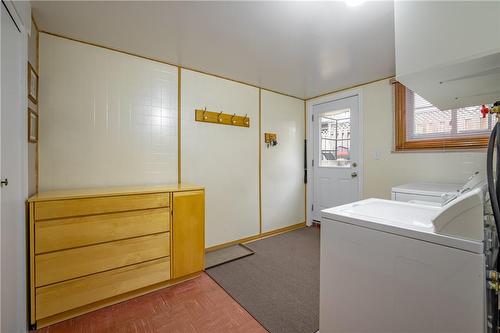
(282, 165)
(106, 119)
(225, 159)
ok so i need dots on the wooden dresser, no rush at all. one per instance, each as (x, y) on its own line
(95, 247)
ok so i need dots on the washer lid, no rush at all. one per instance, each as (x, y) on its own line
(430, 189)
(415, 221)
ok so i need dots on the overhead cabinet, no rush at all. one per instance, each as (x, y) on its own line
(92, 248)
(448, 52)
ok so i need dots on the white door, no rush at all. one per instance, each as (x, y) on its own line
(13, 145)
(336, 152)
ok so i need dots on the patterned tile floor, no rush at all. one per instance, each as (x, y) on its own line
(199, 306)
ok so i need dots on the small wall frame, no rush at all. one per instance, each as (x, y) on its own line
(32, 126)
(221, 118)
(32, 84)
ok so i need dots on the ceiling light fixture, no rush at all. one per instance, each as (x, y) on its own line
(354, 3)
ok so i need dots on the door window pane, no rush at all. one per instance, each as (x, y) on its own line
(335, 140)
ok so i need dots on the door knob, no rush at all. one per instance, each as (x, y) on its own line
(354, 174)
(354, 164)
(4, 182)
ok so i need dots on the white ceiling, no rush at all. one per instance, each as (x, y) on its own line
(299, 48)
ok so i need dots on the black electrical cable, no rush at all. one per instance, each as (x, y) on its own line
(492, 188)
(497, 178)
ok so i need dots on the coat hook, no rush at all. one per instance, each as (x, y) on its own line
(246, 119)
(220, 117)
(204, 114)
(232, 118)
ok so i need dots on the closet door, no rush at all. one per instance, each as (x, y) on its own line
(13, 170)
(188, 230)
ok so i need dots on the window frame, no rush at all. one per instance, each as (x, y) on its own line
(401, 143)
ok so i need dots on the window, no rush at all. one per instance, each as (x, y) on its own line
(420, 125)
(335, 138)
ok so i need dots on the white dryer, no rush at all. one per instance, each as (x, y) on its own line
(424, 192)
(389, 266)
(436, 194)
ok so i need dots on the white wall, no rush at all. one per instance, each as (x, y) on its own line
(106, 118)
(395, 168)
(282, 165)
(224, 159)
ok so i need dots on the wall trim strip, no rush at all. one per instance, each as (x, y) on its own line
(211, 74)
(165, 62)
(260, 161)
(34, 22)
(305, 157)
(179, 125)
(351, 87)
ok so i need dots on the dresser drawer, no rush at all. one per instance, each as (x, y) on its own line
(64, 296)
(69, 264)
(88, 206)
(67, 233)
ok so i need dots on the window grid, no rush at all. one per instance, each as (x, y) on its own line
(454, 130)
(425, 121)
(335, 138)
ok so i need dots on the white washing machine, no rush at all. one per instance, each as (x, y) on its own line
(389, 266)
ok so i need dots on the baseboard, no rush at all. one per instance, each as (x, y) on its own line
(257, 237)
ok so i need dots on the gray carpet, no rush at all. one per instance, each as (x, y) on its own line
(225, 255)
(279, 284)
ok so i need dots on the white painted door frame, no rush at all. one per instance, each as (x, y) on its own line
(310, 132)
